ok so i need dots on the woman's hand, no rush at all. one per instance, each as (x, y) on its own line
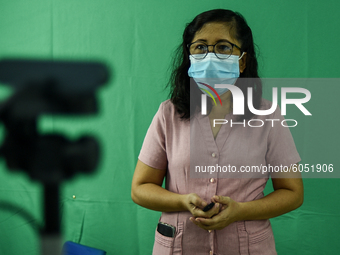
(194, 204)
(229, 212)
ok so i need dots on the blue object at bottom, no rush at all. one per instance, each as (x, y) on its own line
(71, 248)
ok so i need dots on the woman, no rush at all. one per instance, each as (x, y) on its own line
(238, 222)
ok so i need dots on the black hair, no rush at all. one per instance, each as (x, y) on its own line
(180, 81)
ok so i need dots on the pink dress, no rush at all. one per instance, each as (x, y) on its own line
(167, 146)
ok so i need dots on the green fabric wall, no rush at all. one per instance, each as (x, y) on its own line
(296, 39)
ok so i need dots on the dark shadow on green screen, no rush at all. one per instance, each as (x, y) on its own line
(17, 210)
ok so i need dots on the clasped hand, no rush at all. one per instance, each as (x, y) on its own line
(224, 212)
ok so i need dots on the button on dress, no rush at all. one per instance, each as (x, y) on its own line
(175, 144)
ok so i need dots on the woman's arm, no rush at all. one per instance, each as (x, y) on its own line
(147, 191)
(287, 196)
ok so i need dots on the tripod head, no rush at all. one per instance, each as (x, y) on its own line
(48, 87)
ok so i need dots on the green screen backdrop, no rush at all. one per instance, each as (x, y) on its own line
(136, 39)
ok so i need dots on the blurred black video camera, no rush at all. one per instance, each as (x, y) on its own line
(48, 87)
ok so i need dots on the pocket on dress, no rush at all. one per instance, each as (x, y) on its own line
(165, 245)
(262, 242)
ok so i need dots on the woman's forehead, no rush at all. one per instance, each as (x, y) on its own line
(215, 31)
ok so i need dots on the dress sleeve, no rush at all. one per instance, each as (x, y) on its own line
(153, 152)
(281, 149)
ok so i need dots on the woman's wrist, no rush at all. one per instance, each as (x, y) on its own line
(183, 198)
(242, 211)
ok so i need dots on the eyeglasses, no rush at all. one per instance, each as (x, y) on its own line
(222, 49)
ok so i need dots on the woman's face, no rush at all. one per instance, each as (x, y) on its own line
(213, 32)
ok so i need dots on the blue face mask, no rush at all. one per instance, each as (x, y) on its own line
(211, 70)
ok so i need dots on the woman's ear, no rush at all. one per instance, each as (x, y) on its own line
(242, 62)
